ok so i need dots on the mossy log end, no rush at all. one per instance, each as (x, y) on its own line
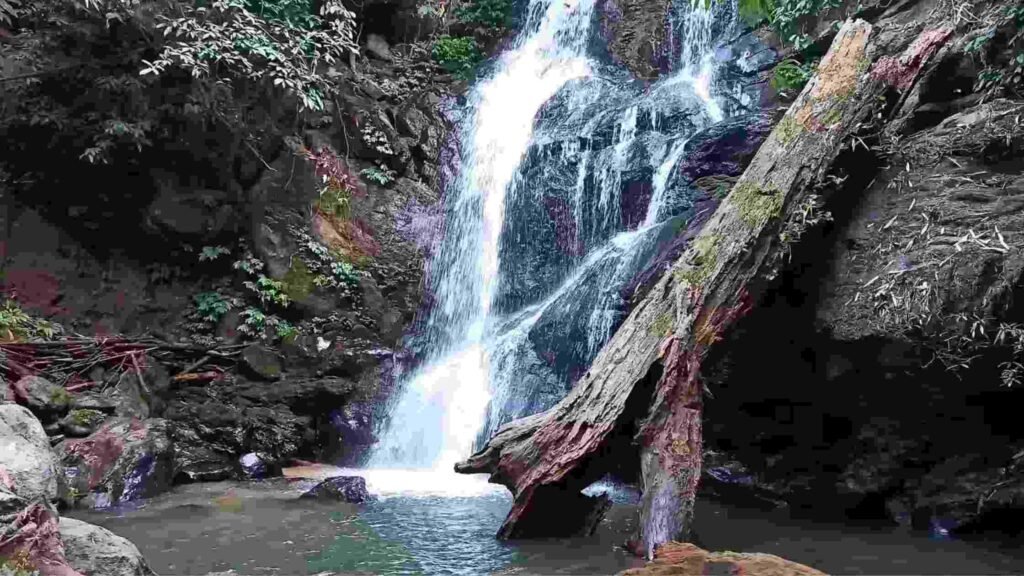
(639, 406)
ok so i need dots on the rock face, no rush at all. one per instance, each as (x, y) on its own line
(261, 362)
(677, 559)
(345, 488)
(635, 30)
(43, 397)
(125, 459)
(27, 464)
(96, 551)
(134, 263)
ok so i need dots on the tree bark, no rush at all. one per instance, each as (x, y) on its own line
(640, 403)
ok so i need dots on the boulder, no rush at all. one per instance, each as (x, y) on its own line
(343, 488)
(30, 543)
(377, 46)
(412, 122)
(125, 459)
(96, 551)
(261, 362)
(253, 465)
(27, 465)
(43, 397)
(679, 559)
(81, 423)
(130, 399)
(91, 400)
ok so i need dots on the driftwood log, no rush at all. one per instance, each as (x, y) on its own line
(640, 404)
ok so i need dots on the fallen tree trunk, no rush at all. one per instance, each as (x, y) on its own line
(641, 401)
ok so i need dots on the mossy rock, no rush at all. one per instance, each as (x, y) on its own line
(82, 422)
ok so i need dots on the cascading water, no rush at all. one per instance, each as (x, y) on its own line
(566, 189)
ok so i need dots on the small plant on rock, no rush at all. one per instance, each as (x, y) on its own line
(379, 175)
(792, 75)
(209, 253)
(268, 290)
(211, 306)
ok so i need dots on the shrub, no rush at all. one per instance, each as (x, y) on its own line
(783, 15)
(283, 46)
(458, 55)
(16, 325)
(489, 13)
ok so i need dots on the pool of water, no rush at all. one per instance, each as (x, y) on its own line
(261, 528)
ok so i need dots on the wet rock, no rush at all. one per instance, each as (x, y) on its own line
(27, 465)
(344, 488)
(200, 453)
(725, 148)
(261, 362)
(43, 397)
(96, 551)
(125, 459)
(253, 465)
(377, 46)
(81, 423)
(635, 31)
(675, 558)
(91, 400)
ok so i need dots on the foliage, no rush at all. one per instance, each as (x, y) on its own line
(489, 13)
(16, 325)
(458, 55)
(757, 205)
(212, 253)
(1004, 67)
(248, 264)
(255, 323)
(285, 48)
(211, 306)
(338, 184)
(381, 176)
(329, 270)
(292, 13)
(792, 75)
(784, 16)
(268, 290)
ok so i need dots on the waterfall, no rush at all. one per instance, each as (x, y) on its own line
(565, 190)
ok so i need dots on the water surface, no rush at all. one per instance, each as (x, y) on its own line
(260, 528)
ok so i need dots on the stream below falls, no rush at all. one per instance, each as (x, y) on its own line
(260, 528)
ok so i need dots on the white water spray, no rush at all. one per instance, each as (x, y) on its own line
(473, 372)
